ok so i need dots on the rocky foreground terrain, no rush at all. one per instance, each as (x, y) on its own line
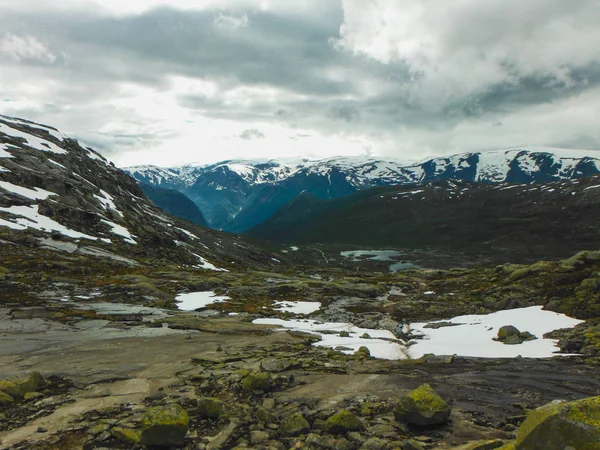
(100, 349)
(115, 356)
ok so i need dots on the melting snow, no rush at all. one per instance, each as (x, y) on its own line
(55, 163)
(473, 337)
(32, 194)
(298, 307)
(194, 300)
(382, 343)
(32, 141)
(206, 265)
(120, 231)
(33, 219)
(3, 152)
(108, 202)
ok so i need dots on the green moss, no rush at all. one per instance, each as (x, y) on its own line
(127, 435)
(294, 425)
(343, 421)
(165, 426)
(422, 407)
(257, 381)
(211, 408)
(19, 386)
(575, 424)
(5, 399)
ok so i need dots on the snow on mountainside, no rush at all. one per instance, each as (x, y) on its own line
(236, 195)
(57, 194)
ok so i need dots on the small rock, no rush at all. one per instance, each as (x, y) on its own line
(422, 407)
(165, 426)
(5, 399)
(42, 430)
(257, 381)
(362, 352)
(506, 331)
(211, 408)
(33, 395)
(258, 437)
(127, 435)
(411, 444)
(343, 422)
(365, 336)
(344, 333)
(295, 425)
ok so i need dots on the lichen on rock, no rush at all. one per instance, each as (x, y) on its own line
(165, 426)
(422, 407)
(560, 425)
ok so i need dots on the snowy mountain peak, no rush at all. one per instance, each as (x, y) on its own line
(235, 195)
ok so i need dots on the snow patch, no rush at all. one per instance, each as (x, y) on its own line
(32, 194)
(120, 231)
(382, 343)
(473, 336)
(194, 300)
(31, 218)
(32, 141)
(204, 264)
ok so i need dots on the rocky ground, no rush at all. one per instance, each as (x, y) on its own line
(115, 355)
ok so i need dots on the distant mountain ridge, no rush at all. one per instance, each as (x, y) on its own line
(236, 195)
(517, 222)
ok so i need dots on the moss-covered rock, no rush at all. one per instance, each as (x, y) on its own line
(211, 408)
(342, 422)
(506, 331)
(165, 426)
(422, 407)
(362, 352)
(265, 416)
(257, 381)
(560, 425)
(482, 445)
(19, 386)
(127, 435)
(411, 444)
(294, 425)
(5, 399)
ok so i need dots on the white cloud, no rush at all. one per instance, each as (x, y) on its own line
(231, 20)
(24, 47)
(456, 48)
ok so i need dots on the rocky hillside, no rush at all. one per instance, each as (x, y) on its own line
(237, 195)
(508, 222)
(60, 195)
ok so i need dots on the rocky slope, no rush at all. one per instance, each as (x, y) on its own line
(57, 194)
(237, 195)
(509, 222)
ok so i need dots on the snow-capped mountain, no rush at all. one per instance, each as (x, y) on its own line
(60, 195)
(236, 195)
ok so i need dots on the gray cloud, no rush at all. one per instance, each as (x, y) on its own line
(478, 75)
(251, 133)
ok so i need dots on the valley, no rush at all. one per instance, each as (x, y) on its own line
(118, 319)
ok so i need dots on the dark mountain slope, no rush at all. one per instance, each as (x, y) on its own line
(174, 202)
(519, 220)
(57, 194)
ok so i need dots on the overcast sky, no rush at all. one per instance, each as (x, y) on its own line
(171, 82)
